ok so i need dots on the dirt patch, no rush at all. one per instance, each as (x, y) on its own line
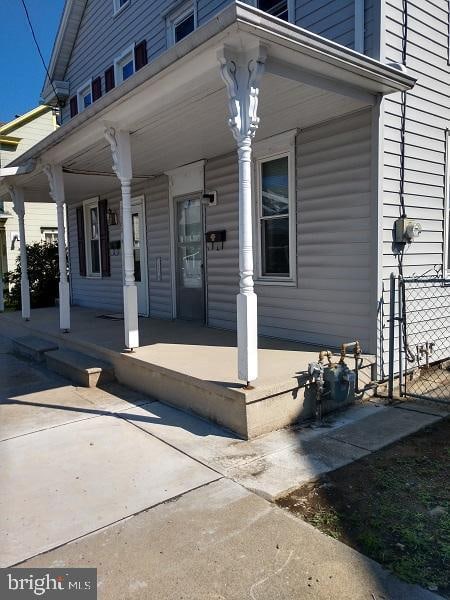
(393, 506)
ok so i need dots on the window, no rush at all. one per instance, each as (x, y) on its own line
(124, 66)
(183, 26)
(119, 5)
(92, 237)
(180, 23)
(276, 8)
(84, 96)
(276, 218)
(49, 235)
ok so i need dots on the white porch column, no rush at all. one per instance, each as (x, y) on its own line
(121, 155)
(242, 74)
(17, 197)
(56, 183)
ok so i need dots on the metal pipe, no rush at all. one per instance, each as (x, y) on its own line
(391, 338)
(345, 347)
(400, 318)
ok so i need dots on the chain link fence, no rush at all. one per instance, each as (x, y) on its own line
(424, 332)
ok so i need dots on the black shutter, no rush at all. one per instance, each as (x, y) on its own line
(81, 242)
(73, 106)
(104, 237)
(140, 55)
(109, 79)
(96, 88)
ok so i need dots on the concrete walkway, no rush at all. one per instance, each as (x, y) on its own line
(145, 493)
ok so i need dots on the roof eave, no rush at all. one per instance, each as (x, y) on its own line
(236, 17)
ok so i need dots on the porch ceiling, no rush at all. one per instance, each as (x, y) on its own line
(189, 131)
(176, 107)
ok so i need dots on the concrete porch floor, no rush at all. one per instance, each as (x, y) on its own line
(192, 366)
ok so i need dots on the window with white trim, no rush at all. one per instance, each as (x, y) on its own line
(276, 218)
(92, 237)
(85, 96)
(119, 5)
(181, 22)
(124, 66)
(184, 26)
(49, 235)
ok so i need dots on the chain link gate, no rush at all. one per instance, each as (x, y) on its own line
(423, 318)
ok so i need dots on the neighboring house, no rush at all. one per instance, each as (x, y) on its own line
(16, 137)
(327, 169)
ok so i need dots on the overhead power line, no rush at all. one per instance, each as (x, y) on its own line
(27, 14)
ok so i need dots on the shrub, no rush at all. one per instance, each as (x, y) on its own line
(43, 275)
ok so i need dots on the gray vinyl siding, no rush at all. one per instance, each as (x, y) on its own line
(331, 302)
(95, 292)
(158, 236)
(222, 266)
(427, 118)
(102, 36)
(106, 293)
(335, 20)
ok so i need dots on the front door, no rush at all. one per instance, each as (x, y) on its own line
(140, 254)
(189, 259)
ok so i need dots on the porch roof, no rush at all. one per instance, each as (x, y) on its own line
(176, 107)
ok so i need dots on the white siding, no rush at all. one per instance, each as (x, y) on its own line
(427, 118)
(30, 133)
(37, 216)
(331, 302)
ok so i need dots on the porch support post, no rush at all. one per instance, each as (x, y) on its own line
(242, 74)
(56, 184)
(17, 197)
(121, 156)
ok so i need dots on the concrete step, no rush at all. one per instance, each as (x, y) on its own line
(82, 369)
(32, 347)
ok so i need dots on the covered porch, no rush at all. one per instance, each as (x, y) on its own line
(193, 367)
(245, 78)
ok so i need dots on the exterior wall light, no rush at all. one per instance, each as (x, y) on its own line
(112, 217)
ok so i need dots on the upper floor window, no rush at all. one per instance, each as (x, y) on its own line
(277, 8)
(124, 66)
(183, 26)
(119, 4)
(84, 96)
(181, 22)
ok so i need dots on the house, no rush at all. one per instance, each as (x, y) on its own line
(214, 150)
(16, 137)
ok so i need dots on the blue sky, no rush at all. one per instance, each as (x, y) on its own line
(21, 70)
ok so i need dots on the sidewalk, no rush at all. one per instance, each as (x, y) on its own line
(161, 503)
